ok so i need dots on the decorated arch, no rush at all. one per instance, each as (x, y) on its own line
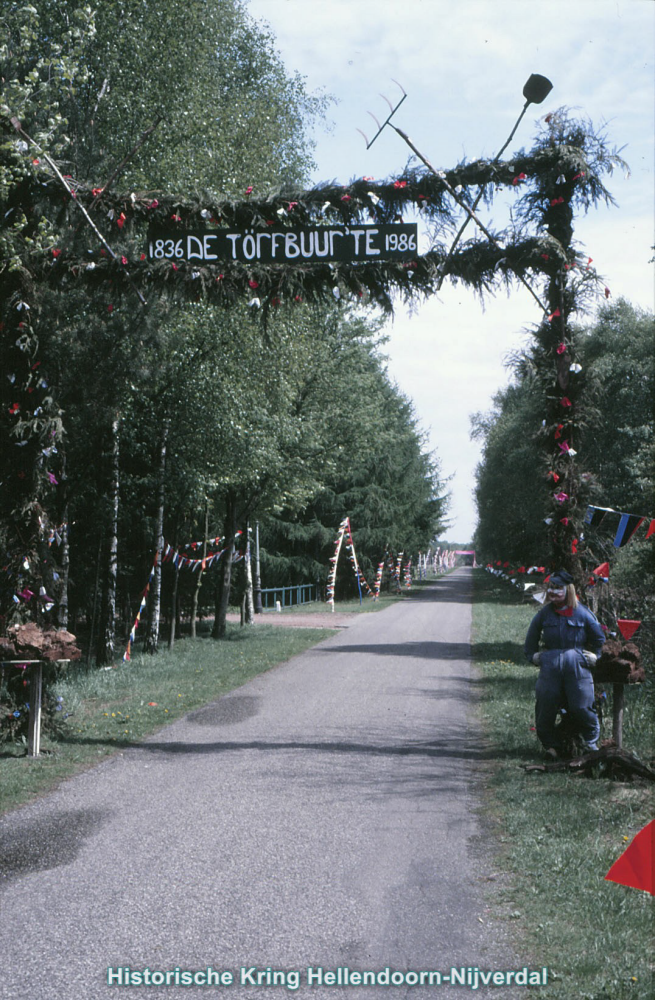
(144, 245)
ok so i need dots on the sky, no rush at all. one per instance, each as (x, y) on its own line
(463, 64)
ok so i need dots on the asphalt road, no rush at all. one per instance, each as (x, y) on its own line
(323, 816)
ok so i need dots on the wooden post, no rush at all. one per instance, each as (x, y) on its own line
(34, 722)
(617, 714)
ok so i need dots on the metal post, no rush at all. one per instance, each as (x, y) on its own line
(258, 580)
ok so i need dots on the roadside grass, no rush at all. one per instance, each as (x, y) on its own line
(116, 708)
(560, 834)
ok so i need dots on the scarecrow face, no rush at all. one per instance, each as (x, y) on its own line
(556, 593)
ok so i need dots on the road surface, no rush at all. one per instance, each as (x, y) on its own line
(323, 816)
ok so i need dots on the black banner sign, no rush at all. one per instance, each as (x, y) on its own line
(309, 245)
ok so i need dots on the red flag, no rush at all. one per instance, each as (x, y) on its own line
(627, 627)
(635, 866)
(602, 570)
(651, 529)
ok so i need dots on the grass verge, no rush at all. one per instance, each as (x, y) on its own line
(116, 708)
(560, 834)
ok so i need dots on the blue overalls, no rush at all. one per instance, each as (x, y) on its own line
(564, 677)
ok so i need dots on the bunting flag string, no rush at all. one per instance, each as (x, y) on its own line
(407, 577)
(332, 575)
(627, 525)
(397, 569)
(353, 559)
(181, 561)
(144, 601)
(378, 580)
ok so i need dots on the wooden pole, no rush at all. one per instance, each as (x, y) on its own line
(34, 722)
(617, 714)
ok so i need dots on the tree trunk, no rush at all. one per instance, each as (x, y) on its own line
(61, 613)
(174, 614)
(225, 573)
(154, 606)
(196, 592)
(248, 596)
(107, 636)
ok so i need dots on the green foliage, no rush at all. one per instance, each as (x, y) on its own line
(509, 492)
(615, 447)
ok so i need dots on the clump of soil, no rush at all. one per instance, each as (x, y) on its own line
(619, 662)
(30, 642)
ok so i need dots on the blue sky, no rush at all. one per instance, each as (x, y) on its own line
(463, 64)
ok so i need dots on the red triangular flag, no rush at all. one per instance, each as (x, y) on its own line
(635, 866)
(651, 529)
(602, 570)
(627, 627)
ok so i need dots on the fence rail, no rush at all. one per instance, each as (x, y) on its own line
(288, 597)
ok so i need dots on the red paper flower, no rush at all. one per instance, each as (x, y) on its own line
(15, 408)
(124, 259)
(544, 256)
(553, 475)
(110, 309)
(557, 201)
(574, 546)
(249, 190)
(36, 162)
(253, 284)
(153, 204)
(561, 497)
(56, 253)
(607, 293)
(176, 218)
(558, 432)
(96, 191)
(175, 267)
(400, 184)
(298, 298)
(553, 315)
(121, 220)
(563, 520)
(561, 347)
(142, 257)
(346, 197)
(565, 401)
(581, 174)
(518, 179)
